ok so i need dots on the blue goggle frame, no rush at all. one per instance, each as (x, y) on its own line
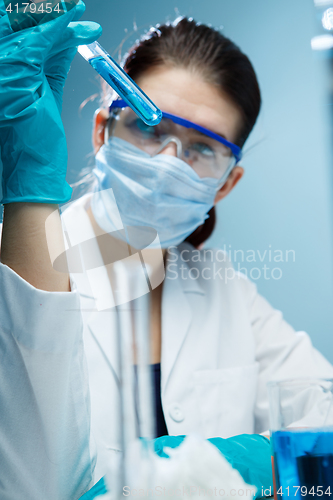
(236, 150)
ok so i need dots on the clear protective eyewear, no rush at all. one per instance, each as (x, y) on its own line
(209, 154)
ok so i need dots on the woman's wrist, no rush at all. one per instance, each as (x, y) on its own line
(25, 247)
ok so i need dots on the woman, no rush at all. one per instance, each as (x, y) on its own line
(216, 340)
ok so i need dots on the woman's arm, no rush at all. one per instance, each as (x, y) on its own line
(45, 449)
(24, 246)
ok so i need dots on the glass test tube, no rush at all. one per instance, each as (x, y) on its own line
(136, 385)
(125, 87)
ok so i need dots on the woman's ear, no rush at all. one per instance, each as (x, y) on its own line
(235, 175)
(100, 120)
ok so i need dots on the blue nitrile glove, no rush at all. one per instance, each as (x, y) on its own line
(96, 491)
(250, 454)
(34, 64)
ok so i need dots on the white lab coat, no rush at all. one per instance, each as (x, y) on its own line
(221, 343)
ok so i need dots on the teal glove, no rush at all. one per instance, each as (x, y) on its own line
(33, 68)
(96, 491)
(250, 454)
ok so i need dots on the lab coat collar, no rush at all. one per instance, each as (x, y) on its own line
(179, 263)
(177, 316)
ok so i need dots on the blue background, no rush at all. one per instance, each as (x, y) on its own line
(284, 201)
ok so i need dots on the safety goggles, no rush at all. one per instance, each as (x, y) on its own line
(209, 154)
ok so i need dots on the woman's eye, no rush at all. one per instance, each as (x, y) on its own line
(139, 127)
(203, 149)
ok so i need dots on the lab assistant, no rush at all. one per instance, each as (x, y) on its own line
(221, 342)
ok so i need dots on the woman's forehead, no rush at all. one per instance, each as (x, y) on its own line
(182, 92)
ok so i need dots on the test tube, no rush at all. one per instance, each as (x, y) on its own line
(136, 387)
(125, 87)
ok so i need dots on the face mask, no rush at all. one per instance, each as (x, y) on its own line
(160, 192)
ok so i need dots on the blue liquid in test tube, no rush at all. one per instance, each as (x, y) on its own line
(125, 87)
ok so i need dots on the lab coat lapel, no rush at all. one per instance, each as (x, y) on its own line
(102, 324)
(102, 327)
(177, 313)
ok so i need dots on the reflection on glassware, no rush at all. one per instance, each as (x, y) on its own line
(327, 19)
(322, 42)
(322, 3)
(137, 417)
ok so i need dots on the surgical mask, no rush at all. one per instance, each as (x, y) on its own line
(161, 192)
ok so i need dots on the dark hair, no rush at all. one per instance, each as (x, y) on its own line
(187, 44)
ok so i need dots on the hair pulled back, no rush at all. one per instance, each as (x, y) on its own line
(204, 50)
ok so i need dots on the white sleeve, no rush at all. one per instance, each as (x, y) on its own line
(281, 352)
(44, 400)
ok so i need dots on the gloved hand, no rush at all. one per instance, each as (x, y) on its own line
(96, 491)
(34, 64)
(250, 454)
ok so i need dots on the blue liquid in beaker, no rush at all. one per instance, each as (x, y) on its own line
(303, 462)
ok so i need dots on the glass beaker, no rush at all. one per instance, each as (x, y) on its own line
(301, 421)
